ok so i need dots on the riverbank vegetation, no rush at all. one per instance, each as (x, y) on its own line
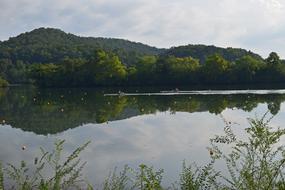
(105, 69)
(50, 57)
(255, 163)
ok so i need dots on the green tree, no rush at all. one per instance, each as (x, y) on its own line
(72, 72)
(246, 68)
(273, 59)
(274, 70)
(182, 69)
(107, 69)
(17, 72)
(5, 65)
(214, 69)
(44, 74)
(176, 70)
(145, 69)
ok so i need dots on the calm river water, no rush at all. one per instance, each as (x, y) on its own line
(153, 129)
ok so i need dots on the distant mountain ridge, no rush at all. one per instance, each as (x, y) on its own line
(49, 45)
(201, 52)
(45, 45)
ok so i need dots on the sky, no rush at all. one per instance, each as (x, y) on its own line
(256, 25)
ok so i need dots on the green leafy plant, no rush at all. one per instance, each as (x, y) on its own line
(255, 163)
(193, 177)
(148, 179)
(117, 181)
(67, 172)
(143, 178)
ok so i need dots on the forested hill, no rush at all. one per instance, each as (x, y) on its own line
(201, 52)
(48, 45)
(51, 57)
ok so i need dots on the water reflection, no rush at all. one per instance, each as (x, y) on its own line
(52, 111)
(159, 131)
(163, 140)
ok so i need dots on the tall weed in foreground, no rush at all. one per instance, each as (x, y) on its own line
(143, 178)
(148, 179)
(66, 173)
(117, 181)
(195, 178)
(256, 163)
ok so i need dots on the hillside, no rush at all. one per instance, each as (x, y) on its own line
(51, 57)
(201, 52)
(48, 45)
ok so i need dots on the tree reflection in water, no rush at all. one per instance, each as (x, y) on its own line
(51, 111)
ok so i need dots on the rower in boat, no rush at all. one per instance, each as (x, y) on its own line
(176, 90)
(120, 93)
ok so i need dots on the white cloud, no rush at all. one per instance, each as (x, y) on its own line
(251, 24)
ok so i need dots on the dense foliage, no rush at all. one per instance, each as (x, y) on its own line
(48, 45)
(201, 52)
(51, 57)
(66, 172)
